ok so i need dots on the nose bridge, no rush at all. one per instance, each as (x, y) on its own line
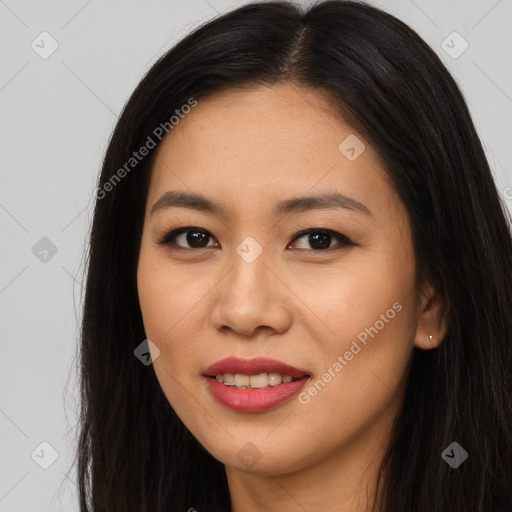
(249, 270)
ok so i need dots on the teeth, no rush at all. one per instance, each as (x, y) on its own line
(261, 380)
(241, 380)
(258, 381)
(274, 379)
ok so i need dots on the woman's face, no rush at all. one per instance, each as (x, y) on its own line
(337, 305)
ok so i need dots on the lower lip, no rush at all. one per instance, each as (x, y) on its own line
(254, 400)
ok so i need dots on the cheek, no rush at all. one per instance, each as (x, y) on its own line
(167, 296)
(358, 296)
(173, 308)
(360, 382)
(164, 303)
(364, 339)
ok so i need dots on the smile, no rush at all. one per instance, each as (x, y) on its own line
(253, 385)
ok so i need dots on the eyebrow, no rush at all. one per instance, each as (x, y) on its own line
(194, 201)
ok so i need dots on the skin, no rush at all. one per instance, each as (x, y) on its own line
(249, 149)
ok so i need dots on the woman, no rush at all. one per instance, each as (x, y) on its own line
(297, 225)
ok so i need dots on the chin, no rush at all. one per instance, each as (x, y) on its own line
(254, 458)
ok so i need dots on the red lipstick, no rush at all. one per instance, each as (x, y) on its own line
(257, 399)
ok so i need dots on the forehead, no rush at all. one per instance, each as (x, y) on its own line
(254, 146)
(268, 119)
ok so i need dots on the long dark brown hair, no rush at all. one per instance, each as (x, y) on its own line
(134, 453)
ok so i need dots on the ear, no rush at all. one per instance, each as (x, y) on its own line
(432, 318)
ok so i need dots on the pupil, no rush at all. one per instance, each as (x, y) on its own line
(324, 237)
(194, 238)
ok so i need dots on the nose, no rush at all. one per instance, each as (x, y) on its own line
(251, 298)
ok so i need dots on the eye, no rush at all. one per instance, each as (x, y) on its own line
(196, 238)
(320, 239)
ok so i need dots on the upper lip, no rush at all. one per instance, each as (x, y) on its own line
(254, 366)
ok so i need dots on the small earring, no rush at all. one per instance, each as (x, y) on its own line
(430, 337)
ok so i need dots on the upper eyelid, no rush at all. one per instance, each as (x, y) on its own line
(304, 232)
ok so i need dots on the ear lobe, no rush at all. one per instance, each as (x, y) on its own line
(432, 318)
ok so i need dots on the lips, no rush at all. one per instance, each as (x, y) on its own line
(255, 366)
(249, 399)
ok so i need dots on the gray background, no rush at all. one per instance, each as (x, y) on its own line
(57, 115)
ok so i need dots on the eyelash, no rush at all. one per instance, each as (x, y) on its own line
(343, 241)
